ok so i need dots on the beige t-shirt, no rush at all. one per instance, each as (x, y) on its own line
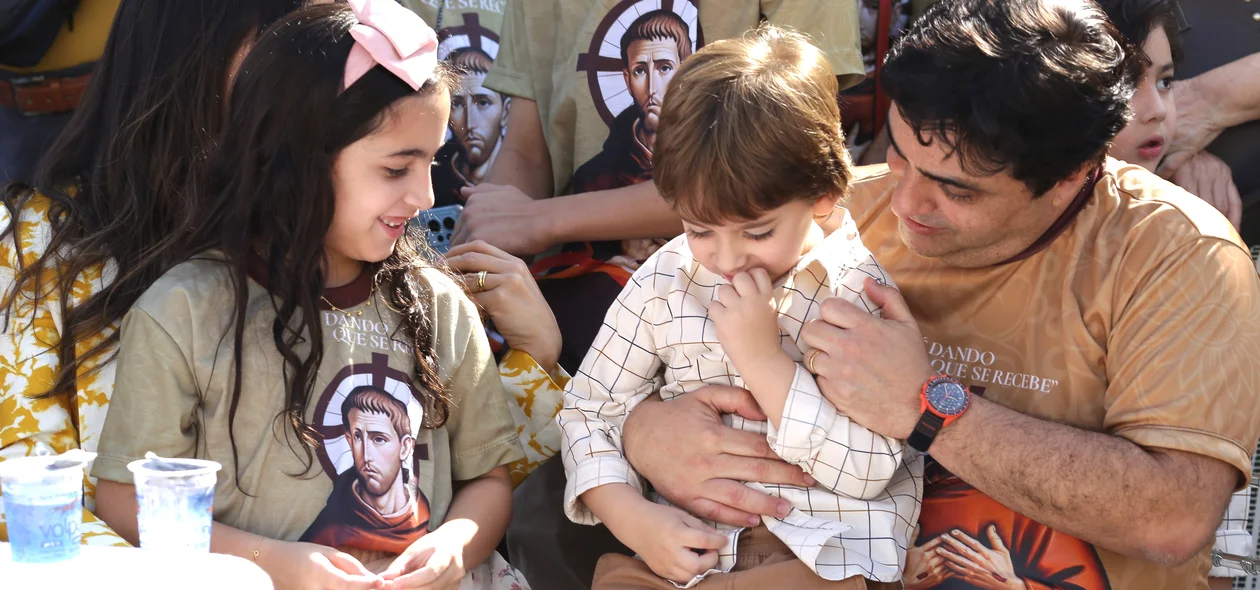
(468, 39)
(1142, 320)
(375, 484)
(597, 106)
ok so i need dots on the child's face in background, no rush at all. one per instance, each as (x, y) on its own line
(381, 182)
(775, 241)
(1144, 140)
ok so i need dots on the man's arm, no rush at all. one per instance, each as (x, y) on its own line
(1233, 89)
(630, 212)
(507, 218)
(523, 160)
(1157, 504)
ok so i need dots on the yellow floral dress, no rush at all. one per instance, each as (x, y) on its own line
(539, 396)
(29, 364)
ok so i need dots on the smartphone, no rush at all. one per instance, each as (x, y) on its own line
(438, 225)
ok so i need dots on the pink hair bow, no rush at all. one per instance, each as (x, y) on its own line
(392, 36)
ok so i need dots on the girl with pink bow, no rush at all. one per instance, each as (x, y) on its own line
(314, 348)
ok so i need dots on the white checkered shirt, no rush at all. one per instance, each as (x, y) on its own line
(1232, 536)
(857, 520)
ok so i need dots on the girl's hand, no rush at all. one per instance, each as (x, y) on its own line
(378, 566)
(434, 562)
(512, 299)
(306, 565)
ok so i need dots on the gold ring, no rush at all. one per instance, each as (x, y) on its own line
(481, 281)
(809, 363)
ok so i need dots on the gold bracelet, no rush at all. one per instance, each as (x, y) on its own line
(255, 557)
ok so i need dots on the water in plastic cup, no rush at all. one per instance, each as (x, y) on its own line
(43, 503)
(175, 500)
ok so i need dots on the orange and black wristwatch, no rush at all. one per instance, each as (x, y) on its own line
(944, 399)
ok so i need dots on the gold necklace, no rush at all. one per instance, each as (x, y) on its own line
(371, 294)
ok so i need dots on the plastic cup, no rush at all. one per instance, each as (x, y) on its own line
(43, 504)
(175, 502)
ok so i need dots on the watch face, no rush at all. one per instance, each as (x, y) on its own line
(947, 396)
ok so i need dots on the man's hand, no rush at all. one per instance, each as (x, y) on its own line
(745, 318)
(1209, 178)
(871, 368)
(698, 463)
(505, 217)
(1196, 126)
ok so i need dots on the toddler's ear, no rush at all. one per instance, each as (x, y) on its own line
(824, 205)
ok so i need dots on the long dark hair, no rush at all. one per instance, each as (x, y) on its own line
(117, 175)
(271, 195)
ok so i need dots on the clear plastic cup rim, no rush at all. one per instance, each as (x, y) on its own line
(71, 466)
(198, 467)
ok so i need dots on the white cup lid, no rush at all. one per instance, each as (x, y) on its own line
(68, 464)
(154, 466)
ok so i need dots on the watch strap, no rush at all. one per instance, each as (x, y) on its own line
(925, 431)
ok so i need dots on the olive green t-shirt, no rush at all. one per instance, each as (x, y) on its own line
(378, 480)
(598, 69)
(468, 39)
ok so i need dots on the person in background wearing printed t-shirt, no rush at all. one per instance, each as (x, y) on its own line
(1102, 320)
(586, 79)
(468, 33)
(651, 49)
(523, 334)
(478, 122)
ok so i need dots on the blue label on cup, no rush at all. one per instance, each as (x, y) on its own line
(44, 529)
